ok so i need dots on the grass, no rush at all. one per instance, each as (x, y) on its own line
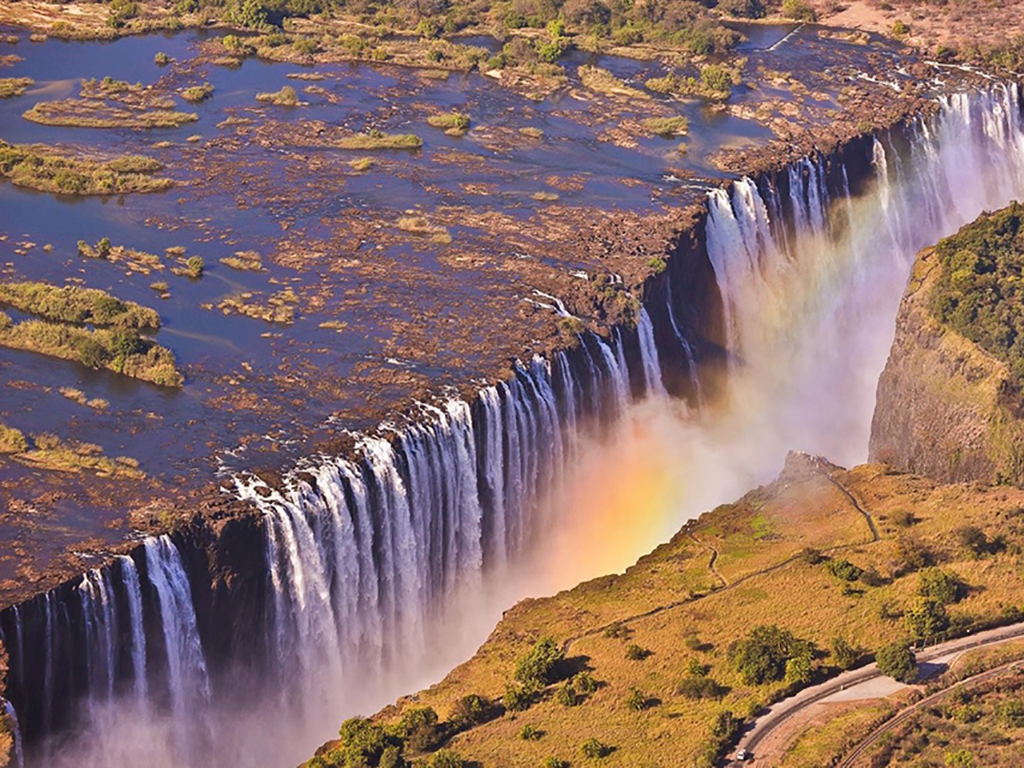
(531, 132)
(12, 440)
(420, 225)
(278, 308)
(42, 168)
(72, 113)
(361, 164)
(286, 97)
(120, 351)
(72, 304)
(245, 261)
(667, 127)
(197, 93)
(78, 396)
(602, 81)
(453, 123)
(379, 140)
(52, 453)
(671, 604)
(14, 86)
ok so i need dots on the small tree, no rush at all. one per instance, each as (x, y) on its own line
(940, 585)
(762, 656)
(446, 758)
(517, 698)
(897, 661)
(926, 617)
(471, 710)
(798, 670)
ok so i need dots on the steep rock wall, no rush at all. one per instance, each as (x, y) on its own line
(944, 408)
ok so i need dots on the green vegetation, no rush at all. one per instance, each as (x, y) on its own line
(12, 440)
(378, 140)
(636, 652)
(120, 350)
(278, 308)
(14, 86)
(52, 453)
(286, 97)
(454, 123)
(527, 732)
(980, 293)
(667, 127)
(602, 81)
(593, 748)
(192, 267)
(71, 113)
(246, 261)
(764, 654)
(800, 10)
(897, 661)
(541, 665)
(39, 167)
(161, 59)
(73, 304)
(197, 93)
(715, 82)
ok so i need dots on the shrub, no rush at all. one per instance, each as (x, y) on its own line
(392, 757)
(912, 554)
(843, 654)
(419, 729)
(716, 78)
(12, 440)
(471, 710)
(286, 97)
(584, 683)
(747, 9)
(194, 266)
(940, 585)
(161, 59)
(637, 700)
(762, 656)
(897, 661)
(530, 733)
(554, 762)
(800, 10)
(1011, 713)
(960, 758)
(540, 665)
(566, 695)
(699, 687)
(900, 28)
(593, 748)
(517, 698)
(843, 570)
(197, 93)
(975, 542)
(635, 652)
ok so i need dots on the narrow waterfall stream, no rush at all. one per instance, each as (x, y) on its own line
(384, 572)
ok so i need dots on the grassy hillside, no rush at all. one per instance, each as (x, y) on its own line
(825, 565)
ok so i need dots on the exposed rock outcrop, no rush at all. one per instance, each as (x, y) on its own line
(945, 407)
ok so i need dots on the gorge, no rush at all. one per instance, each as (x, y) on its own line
(250, 632)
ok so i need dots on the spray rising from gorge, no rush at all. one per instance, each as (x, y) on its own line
(384, 571)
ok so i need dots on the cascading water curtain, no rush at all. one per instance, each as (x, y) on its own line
(811, 276)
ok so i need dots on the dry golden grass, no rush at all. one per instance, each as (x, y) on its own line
(672, 604)
(52, 453)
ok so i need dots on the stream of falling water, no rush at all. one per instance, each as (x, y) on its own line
(386, 572)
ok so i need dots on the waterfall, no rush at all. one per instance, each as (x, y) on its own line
(368, 556)
(808, 318)
(186, 667)
(649, 355)
(12, 719)
(100, 616)
(133, 590)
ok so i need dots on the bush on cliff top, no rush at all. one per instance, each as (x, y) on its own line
(980, 291)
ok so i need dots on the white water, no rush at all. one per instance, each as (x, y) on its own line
(386, 572)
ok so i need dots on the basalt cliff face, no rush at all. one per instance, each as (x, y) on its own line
(945, 407)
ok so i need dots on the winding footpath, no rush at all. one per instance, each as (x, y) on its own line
(852, 684)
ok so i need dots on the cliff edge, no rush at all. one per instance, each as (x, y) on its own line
(948, 404)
